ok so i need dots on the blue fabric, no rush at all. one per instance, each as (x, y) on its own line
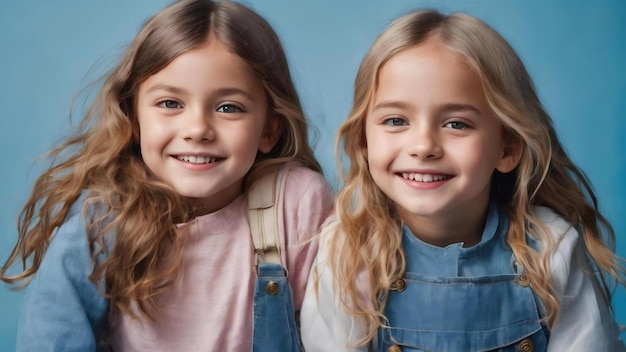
(463, 299)
(274, 319)
(62, 309)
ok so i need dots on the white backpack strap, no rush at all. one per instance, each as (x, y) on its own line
(263, 198)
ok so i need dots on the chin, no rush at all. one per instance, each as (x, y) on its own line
(421, 210)
(193, 194)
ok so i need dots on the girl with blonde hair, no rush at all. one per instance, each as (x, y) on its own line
(463, 225)
(137, 238)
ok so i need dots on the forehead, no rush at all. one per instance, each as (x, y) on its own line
(428, 73)
(210, 65)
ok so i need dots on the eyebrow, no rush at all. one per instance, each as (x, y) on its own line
(219, 92)
(234, 91)
(165, 87)
(451, 107)
(390, 104)
(460, 107)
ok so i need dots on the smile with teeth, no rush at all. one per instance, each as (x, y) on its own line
(424, 177)
(197, 159)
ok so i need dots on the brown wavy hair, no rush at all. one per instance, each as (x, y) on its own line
(366, 234)
(103, 160)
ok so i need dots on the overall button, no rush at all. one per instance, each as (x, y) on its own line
(523, 280)
(271, 288)
(526, 345)
(394, 348)
(398, 285)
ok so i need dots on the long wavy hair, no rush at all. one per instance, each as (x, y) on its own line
(103, 157)
(366, 233)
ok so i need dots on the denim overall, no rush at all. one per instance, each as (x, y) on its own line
(274, 328)
(274, 319)
(463, 299)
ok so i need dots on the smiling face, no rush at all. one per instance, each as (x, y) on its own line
(201, 120)
(433, 143)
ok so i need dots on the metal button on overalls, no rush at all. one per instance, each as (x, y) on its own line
(271, 288)
(274, 325)
(398, 285)
(523, 280)
(526, 345)
(394, 348)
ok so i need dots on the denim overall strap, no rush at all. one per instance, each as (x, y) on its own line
(274, 328)
(274, 319)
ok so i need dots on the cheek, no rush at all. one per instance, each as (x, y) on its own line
(152, 144)
(483, 159)
(147, 140)
(148, 151)
(372, 144)
(384, 149)
(243, 142)
(154, 131)
(143, 131)
(377, 161)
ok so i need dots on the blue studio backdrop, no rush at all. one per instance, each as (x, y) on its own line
(573, 49)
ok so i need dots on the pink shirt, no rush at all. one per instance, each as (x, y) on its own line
(209, 307)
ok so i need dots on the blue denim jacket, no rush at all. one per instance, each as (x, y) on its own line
(62, 309)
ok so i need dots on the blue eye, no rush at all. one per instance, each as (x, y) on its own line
(395, 121)
(457, 125)
(229, 108)
(170, 104)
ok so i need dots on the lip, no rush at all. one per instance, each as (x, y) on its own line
(424, 179)
(203, 154)
(198, 159)
(423, 172)
(190, 160)
(197, 155)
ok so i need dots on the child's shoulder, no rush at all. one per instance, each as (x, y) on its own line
(307, 196)
(295, 171)
(558, 226)
(566, 239)
(301, 180)
(73, 231)
(70, 242)
(76, 216)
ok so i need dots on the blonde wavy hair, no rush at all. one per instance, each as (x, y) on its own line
(367, 234)
(103, 158)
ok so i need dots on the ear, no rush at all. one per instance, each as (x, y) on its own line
(270, 135)
(511, 155)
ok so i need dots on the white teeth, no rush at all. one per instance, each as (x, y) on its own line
(424, 177)
(197, 159)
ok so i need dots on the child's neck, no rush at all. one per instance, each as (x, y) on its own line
(202, 206)
(452, 228)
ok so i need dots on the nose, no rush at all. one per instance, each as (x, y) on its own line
(197, 126)
(424, 143)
